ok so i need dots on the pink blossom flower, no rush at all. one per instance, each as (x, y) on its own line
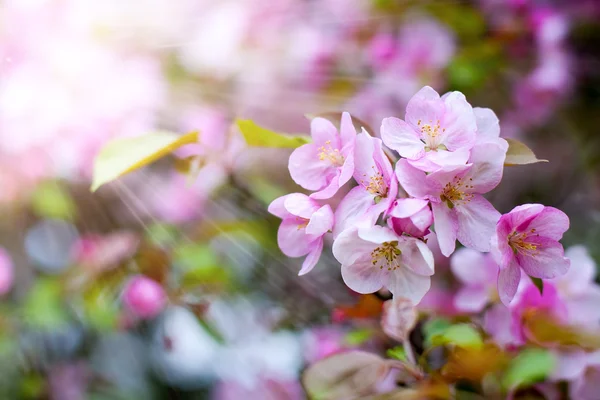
(527, 238)
(437, 131)
(377, 186)
(410, 216)
(375, 257)
(587, 385)
(459, 209)
(6, 272)
(327, 163)
(304, 224)
(144, 297)
(478, 273)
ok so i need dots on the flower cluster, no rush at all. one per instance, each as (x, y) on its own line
(451, 155)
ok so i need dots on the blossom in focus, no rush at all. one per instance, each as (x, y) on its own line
(411, 216)
(437, 131)
(6, 272)
(478, 274)
(144, 297)
(527, 238)
(376, 257)
(377, 186)
(304, 223)
(328, 162)
(455, 193)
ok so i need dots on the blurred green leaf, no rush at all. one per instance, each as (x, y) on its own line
(125, 155)
(191, 256)
(43, 306)
(463, 335)
(434, 327)
(474, 65)
(101, 308)
(258, 136)
(32, 386)
(532, 365)
(466, 21)
(397, 352)
(51, 200)
(162, 234)
(358, 336)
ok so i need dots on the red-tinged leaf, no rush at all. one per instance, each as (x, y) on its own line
(350, 375)
(399, 318)
(519, 154)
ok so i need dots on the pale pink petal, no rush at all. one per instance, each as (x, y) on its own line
(498, 323)
(300, 205)
(364, 164)
(434, 160)
(404, 208)
(307, 170)
(580, 275)
(348, 167)
(551, 223)
(292, 239)
(488, 166)
(569, 365)
(322, 131)
(362, 277)
(458, 121)
(583, 309)
(446, 227)
(501, 252)
(476, 223)
(328, 191)
(399, 318)
(472, 267)
(508, 282)
(353, 208)
(349, 247)
(412, 180)
(546, 262)
(471, 299)
(6, 272)
(438, 179)
(416, 256)
(520, 215)
(277, 207)
(347, 130)
(405, 283)
(320, 222)
(487, 122)
(401, 137)
(311, 259)
(377, 234)
(586, 387)
(425, 106)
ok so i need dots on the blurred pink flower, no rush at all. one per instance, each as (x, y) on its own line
(97, 252)
(377, 186)
(6, 272)
(527, 238)
(375, 257)
(323, 342)
(144, 297)
(328, 162)
(437, 132)
(478, 274)
(304, 224)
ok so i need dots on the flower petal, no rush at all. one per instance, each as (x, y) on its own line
(476, 223)
(551, 223)
(328, 191)
(580, 275)
(312, 258)
(570, 365)
(416, 256)
(446, 226)
(322, 131)
(320, 222)
(307, 170)
(412, 180)
(362, 277)
(458, 122)
(377, 234)
(300, 205)
(488, 123)
(473, 268)
(547, 261)
(405, 283)
(471, 299)
(349, 247)
(488, 167)
(434, 160)
(292, 240)
(508, 282)
(277, 207)
(425, 106)
(401, 137)
(353, 209)
(347, 130)
(404, 208)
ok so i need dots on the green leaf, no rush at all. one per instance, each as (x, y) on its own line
(101, 309)
(125, 155)
(358, 336)
(258, 136)
(51, 200)
(43, 306)
(532, 365)
(434, 327)
(397, 352)
(538, 284)
(519, 154)
(463, 335)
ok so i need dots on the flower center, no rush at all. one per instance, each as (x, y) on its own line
(328, 153)
(430, 135)
(455, 192)
(376, 185)
(387, 255)
(302, 222)
(517, 242)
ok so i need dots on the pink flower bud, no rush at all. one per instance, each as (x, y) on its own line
(144, 297)
(6, 272)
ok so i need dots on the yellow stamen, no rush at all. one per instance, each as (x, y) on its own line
(327, 153)
(387, 255)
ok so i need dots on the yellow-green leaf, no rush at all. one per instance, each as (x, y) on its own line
(125, 155)
(258, 136)
(519, 154)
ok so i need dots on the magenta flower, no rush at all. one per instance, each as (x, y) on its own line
(437, 131)
(377, 186)
(478, 274)
(527, 238)
(143, 297)
(410, 216)
(375, 257)
(304, 224)
(459, 209)
(328, 162)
